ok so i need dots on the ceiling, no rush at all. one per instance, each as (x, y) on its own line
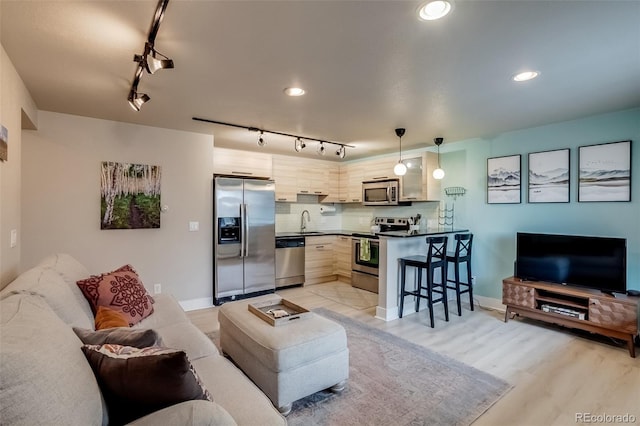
(367, 66)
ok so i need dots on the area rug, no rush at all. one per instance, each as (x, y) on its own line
(395, 382)
(345, 294)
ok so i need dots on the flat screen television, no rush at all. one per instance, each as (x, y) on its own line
(595, 262)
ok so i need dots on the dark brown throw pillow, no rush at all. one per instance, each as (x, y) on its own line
(136, 382)
(120, 290)
(108, 318)
(120, 336)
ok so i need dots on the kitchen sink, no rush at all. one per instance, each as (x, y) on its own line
(312, 233)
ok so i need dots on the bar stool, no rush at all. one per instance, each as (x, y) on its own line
(436, 258)
(461, 255)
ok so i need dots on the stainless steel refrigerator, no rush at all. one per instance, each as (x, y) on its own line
(244, 237)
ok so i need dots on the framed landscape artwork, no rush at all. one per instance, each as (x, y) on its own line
(503, 180)
(130, 196)
(4, 143)
(605, 172)
(549, 176)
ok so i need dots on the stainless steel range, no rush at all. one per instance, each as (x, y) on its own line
(365, 262)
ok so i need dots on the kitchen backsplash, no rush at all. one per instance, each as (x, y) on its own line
(352, 217)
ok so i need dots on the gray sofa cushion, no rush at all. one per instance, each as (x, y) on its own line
(45, 379)
(236, 393)
(190, 413)
(71, 271)
(49, 284)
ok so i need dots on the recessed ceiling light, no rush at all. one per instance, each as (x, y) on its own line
(294, 91)
(433, 10)
(526, 76)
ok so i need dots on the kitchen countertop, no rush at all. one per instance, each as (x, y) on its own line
(346, 233)
(393, 234)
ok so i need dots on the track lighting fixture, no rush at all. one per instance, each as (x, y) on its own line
(400, 169)
(438, 173)
(298, 144)
(321, 149)
(261, 141)
(136, 100)
(151, 60)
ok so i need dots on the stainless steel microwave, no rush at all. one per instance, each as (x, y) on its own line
(381, 192)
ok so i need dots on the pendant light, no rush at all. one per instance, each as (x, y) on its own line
(438, 173)
(400, 169)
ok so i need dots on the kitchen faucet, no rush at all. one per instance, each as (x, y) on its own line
(303, 224)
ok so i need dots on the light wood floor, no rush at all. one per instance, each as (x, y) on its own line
(555, 373)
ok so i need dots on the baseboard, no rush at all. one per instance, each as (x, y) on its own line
(490, 303)
(386, 314)
(195, 304)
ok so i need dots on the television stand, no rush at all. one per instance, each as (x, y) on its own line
(580, 308)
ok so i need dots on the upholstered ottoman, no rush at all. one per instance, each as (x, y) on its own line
(287, 362)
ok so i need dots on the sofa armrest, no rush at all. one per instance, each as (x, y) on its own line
(193, 413)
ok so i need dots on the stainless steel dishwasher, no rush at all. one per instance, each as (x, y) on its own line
(289, 261)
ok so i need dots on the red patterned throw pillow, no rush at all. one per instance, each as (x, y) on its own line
(120, 290)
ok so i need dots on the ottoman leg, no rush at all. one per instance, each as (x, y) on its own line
(338, 387)
(285, 409)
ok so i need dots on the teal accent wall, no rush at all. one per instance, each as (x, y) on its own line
(495, 225)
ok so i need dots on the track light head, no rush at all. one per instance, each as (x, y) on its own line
(136, 100)
(299, 145)
(341, 152)
(321, 149)
(155, 61)
(261, 141)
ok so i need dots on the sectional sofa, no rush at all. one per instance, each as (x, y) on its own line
(46, 379)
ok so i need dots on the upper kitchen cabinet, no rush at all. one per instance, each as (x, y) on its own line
(297, 175)
(378, 169)
(285, 172)
(241, 163)
(418, 183)
(351, 177)
(333, 183)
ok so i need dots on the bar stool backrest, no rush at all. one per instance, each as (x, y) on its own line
(463, 246)
(436, 250)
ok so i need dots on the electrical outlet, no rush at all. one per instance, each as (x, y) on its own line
(157, 288)
(194, 226)
(473, 280)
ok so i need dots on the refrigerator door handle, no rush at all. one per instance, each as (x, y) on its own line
(242, 236)
(246, 232)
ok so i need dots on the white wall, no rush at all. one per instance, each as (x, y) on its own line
(61, 200)
(17, 109)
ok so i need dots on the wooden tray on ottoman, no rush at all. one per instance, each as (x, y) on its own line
(262, 311)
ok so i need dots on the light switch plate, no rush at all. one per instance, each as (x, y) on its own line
(194, 226)
(14, 238)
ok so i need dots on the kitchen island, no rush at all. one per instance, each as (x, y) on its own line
(393, 246)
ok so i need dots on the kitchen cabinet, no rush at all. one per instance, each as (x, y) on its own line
(333, 183)
(351, 177)
(318, 262)
(418, 184)
(379, 169)
(285, 175)
(241, 163)
(342, 258)
(296, 175)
